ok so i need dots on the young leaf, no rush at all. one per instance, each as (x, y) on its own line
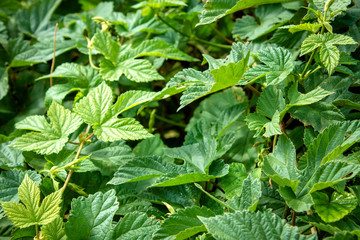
(184, 223)
(329, 56)
(29, 213)
(54, 230)
(134, 225)
(96, 109)
(334, 209)
(50, 137)
(251, 225)
(103, 43)
(91, 218)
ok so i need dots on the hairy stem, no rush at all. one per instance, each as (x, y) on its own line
(76, 158)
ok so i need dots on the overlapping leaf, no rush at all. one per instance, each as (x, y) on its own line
(46, 137)
(29, 213)
(278, 65)
(96, 109)
(251, 225)
(91, 218)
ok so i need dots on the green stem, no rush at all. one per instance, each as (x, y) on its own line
(169, 121)
(37, 231)
(274, 141)
(76, 158)
(307, 65)
(214, 198)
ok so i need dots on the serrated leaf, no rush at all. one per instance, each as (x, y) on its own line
(134, 225)
(280, 165)
(311, 27)
(10, 157)
(95, 109)
(251, 225)
(311, 43)
(334, 209)
(335, 7)
(4, 86)
(51, 137)
(131, 99)
(117, 129)
(268, 18)
(233, 181)
(270, 101)
(107, 157)
(278, 65)
(319, 115)
(249, 196)
(329, 56)
(134, 23)
(36, 18)
(159, 3)
(164, 172)
(298, 99)
(219, 8)
(183, 224)
(10, 182)
(138, 70)
(91, 218)
(319, 173)
(54, 230)
(256, 122)
(273, 127)
(103, 43)
(29, 213)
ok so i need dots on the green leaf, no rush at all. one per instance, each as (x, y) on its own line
(256, 122)
(134, 23)
(107, 157)
(130, 99)
(157, 48)
(311, 43)
(91, 218)
(159, 3)
(184, 223)
(54, 230)
(319, 115)
(10, 157)
(219, 8)
(280, 165)
(329, 144)
(278, 65)
(4, 86)
(329, 56)
(134, 225)
(96, 109)
(249, 196)
(35, 19)
(165, 172)
(270, 101)
(117, 129)
(298, 99)
(11, 180)
(138, 70)
(334, 209)
(233, 181)
(50, 137)
(251, 225)
(335, 8)
(29, 213)
(311, 27)
(273, 127)
(103, 43)
(270, 17)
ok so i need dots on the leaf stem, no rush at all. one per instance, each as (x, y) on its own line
(220, 34)
(293, 218)
(53, 60)
(76, 157)
(37, 231)
(170, 121)
(307, 65)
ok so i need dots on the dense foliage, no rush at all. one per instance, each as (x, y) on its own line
(189, 119)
